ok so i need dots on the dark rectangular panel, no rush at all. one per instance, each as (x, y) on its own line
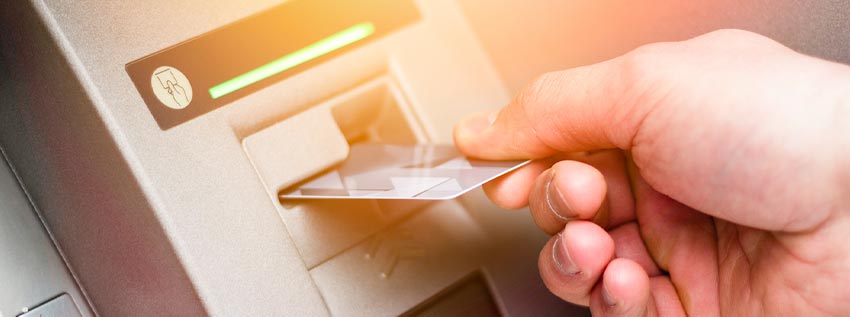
(467, 297)
(258, 51)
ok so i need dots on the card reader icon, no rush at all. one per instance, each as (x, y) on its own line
(171, 87)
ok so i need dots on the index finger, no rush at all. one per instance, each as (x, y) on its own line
(580, 109)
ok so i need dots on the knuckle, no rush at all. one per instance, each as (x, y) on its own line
(539, 89)
(645, 60)
(730, 33)
(734, 34)
(537, 99)
(739, 40)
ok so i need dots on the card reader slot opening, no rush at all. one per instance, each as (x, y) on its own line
(297, 148)
(376, 111)
(377, 114)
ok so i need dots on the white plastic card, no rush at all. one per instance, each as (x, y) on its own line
(387, 171)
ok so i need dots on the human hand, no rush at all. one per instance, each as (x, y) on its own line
(717, 182)
(178, 93)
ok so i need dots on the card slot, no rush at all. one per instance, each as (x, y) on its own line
(297, 149)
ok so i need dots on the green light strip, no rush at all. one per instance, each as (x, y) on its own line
(325, 46)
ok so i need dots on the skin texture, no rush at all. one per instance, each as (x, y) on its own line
(705, 177)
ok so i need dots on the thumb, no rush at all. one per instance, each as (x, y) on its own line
(585, 108)
(725, 123)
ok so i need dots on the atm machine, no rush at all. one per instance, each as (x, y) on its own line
(153, 138)
(145, 144)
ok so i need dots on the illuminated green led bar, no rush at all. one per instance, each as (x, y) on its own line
(325, 46)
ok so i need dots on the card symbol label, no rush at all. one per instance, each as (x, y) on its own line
(171, 87)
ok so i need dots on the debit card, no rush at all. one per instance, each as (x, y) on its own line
(393, 171)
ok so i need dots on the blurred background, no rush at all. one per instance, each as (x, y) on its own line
(527, 38)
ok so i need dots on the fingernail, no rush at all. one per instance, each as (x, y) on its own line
(606, 296)
(555, 199)
(476, 123)
(562, 259)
